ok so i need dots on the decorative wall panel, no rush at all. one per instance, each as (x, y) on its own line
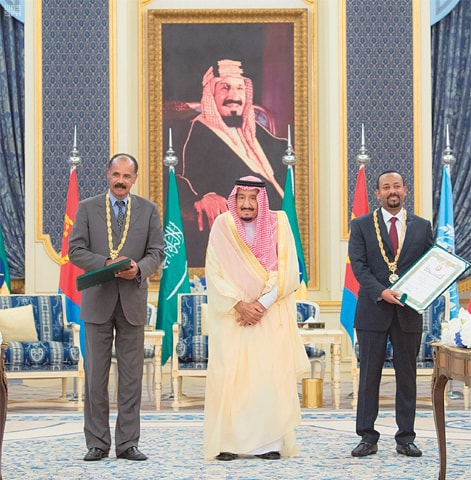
(380, 82)
(75, 91)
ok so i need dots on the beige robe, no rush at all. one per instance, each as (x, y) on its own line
(251, 390)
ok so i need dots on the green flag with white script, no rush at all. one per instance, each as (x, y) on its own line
(289, 206)
(174, 278)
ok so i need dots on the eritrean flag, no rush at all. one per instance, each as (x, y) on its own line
(351, 285)
(68, 271)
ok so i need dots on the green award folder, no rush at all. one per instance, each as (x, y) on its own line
(102, 275)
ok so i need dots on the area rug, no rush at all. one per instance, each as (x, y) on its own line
(50, 446)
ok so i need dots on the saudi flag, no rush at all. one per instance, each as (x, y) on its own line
(4, 270)
(174, 278)
(289, 207)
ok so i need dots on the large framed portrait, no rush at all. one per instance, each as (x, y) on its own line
(202, 64)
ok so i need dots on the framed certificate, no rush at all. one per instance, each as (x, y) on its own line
(429, 277)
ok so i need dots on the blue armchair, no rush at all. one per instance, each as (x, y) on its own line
(309, 312)
(55, 353)
(190, 346)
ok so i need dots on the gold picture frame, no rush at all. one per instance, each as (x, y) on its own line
(181, 41)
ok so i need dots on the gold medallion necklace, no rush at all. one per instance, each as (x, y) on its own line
(115, 252)
(392, 266)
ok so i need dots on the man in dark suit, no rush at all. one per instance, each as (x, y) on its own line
(376, 264)
(105, 231)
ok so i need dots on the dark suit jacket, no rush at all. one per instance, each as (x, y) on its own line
(372, 273)
(88, 249)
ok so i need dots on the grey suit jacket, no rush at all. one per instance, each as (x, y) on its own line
(89, 249)
(372, 273)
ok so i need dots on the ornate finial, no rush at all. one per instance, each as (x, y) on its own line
(363, 157)
(74, 159)
(447, 155)
(170, 159)
(289, 158)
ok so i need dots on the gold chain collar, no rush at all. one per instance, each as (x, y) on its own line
(392, 266)
(114, 253)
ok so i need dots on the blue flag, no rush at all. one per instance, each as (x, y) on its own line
(446, 232)
(175, 278)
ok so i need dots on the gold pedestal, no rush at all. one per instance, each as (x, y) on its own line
(312, 393)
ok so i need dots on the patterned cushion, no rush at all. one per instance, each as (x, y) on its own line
(54, 349)
(305, 311)
(48, 315)
(21, 356)
(193, 349)
(313, 352)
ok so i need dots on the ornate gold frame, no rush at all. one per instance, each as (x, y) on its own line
(153, 100)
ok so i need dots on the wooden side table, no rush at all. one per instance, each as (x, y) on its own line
(449, 363)
(154, 338)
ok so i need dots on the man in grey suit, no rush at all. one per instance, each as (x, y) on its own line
(378, 258)
(104, 232)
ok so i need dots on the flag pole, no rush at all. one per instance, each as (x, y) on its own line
(74, 160)
(174, 278)
(68, 272)
(359, 207)
(446, 224)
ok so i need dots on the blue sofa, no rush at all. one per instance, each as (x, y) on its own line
(54, 355)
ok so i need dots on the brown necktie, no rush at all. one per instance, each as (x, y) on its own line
(393, 234)
(120, 217)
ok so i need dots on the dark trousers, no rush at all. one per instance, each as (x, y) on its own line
(372, 349)
(129, 344)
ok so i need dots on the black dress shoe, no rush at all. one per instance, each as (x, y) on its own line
(226, 456)
(95, 454)
(364, 448)
(132, 453)
(408, 449)
(269, 456)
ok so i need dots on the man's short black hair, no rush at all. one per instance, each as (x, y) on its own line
(386, 172)
(126, 155)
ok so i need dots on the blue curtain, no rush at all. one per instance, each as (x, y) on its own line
(451, 104)
(12, 166)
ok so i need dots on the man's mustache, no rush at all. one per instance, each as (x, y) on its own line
(230, 101)
(120, 185)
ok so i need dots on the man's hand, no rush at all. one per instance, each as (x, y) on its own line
(210, 205)
(249, 313)
(391, 296)
(129, 274)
